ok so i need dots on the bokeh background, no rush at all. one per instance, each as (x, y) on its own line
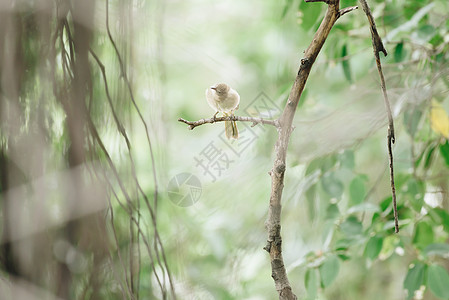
(98, 176)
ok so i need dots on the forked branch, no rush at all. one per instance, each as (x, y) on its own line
(273, 223)
(347, 10)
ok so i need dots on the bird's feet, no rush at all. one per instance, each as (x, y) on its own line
(215, 117)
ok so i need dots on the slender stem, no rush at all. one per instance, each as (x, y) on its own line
(158, 246)
(379, 47)
(255, 121)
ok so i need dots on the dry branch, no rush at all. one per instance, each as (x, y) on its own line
(347, 10)
(273, 223)
(255, 121)
(379, 47)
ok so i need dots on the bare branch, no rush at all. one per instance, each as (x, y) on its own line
(255, 121)
(379, 47)
(377, 41)
(346, 10)
(273, 223)
(325, 1)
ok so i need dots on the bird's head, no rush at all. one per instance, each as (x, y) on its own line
(221, 88)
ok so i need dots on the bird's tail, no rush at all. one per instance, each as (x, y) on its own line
(231, 129)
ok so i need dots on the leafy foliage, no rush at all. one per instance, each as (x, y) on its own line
(414, 31)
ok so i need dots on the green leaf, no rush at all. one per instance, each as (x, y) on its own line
(412, 116)
(415, 191)
(444, 150)
(286, 7)
(414, 279)
(357, 190)
(410, 8)
(311, 283)
(421, 155)
(328, 163)
(423, 235)
(351, 226)
(332, 212)
(310, 197)
(323, 163)
(373, 247)
(376, 219)
(345, 63)
(436, 40)
(437, 249)
(388, 247)
(444, 216)
(310, 14)
(399, 52)
(426, 32)
(329, 270)
(438, 281)
(401, 179)
(314, 165)
(386, 203)
(332, 186)
(409, 25)
(429, 157)
(343, 256)
(343, 244)
(347, 159)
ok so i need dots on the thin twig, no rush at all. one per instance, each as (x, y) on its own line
(123, 133)
(158, 240)
(119, 125)
(325, 1)
(377, 41)
(255, 121)
(121, 184)
(391, 140)
(347, 10)
(379, 47)
(92, 168)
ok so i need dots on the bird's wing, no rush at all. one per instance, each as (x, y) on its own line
(210, 97)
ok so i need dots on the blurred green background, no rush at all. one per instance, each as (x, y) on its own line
(337, 219)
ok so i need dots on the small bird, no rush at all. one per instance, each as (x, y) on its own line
(222, 98)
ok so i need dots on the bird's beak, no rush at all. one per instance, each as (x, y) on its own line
(213, 88)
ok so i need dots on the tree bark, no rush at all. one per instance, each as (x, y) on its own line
(273, 223)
